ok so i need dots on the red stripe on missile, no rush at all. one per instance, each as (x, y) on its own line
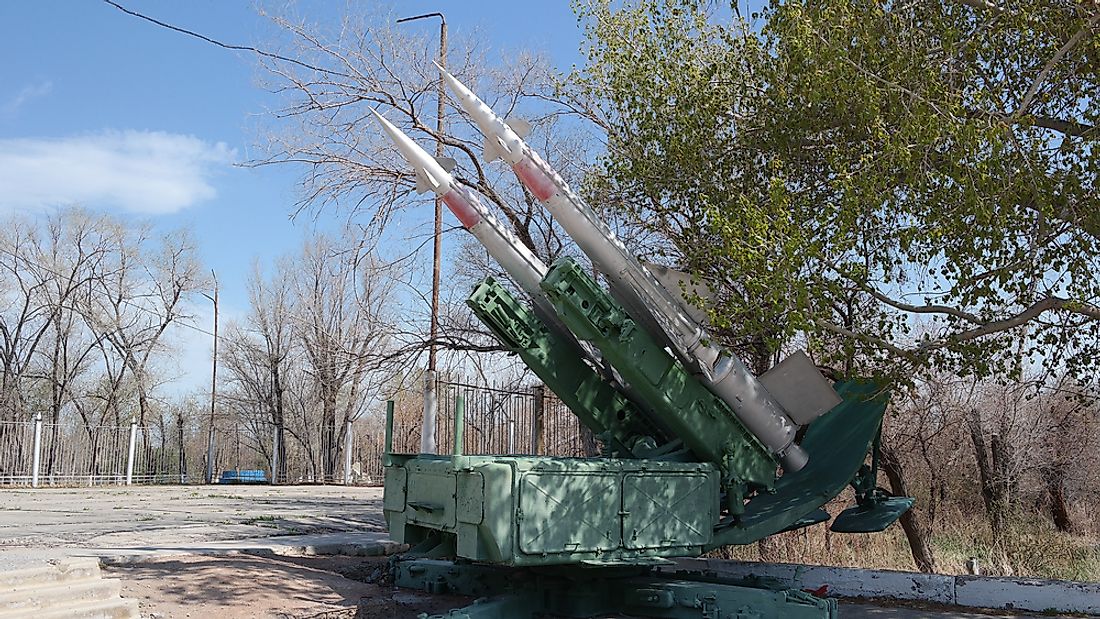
(535, 179)
(466, 214)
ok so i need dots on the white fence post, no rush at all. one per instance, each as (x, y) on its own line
(347, 453)
(211, 438)
(431, 412)
(274, 454)
(36, 458)
(130, 455)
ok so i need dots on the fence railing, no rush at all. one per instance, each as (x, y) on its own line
(49, 454)
(497, 420)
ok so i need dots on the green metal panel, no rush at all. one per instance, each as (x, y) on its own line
(393, 494)
(680, 404)
(548, 511)
(470, 498)
(557, 362)
(568, 513)
(662, 511)
(430, 497)
(838, 443)
(872, 517)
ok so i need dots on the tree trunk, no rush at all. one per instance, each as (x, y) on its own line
(588, 442)
(1059, 507)
(911, 522)
(994, 492)
(328, 440)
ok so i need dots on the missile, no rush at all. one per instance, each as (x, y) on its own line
(644, 298)
(632, 285)
(523, 266)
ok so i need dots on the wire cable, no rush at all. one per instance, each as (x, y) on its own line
(243, 48)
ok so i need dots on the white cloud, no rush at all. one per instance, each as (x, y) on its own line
(28, 93)
(148, 172)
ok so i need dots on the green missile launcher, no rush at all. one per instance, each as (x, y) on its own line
(693, 444)
(678, 477)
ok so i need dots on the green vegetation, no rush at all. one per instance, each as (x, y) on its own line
(907, 183)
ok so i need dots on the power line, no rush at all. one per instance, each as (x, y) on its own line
(243, 48)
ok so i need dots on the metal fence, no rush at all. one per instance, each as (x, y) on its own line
(497, 420)
(48, 454)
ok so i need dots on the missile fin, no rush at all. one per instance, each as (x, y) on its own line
(422, 185)
(425, 182)
(490, 152)
(679, 282)
(520, 126)
(447, 163)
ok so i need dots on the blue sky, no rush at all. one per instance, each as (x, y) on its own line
(103, 110)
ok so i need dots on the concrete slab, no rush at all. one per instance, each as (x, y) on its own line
(354, 544)
(1048, 597)
(849, 610)
(49, 523)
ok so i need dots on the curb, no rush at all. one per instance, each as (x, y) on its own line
(372, 549)
(1004, 593)
(369, 549)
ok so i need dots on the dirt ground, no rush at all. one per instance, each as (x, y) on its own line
(246, 587)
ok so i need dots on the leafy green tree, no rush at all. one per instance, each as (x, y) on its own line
(910, 184)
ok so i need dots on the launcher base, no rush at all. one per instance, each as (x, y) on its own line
(638, 591)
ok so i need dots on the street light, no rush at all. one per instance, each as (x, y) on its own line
(427, 434)
(213, 385)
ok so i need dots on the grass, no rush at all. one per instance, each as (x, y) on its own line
(1031, 548)
(266, 520)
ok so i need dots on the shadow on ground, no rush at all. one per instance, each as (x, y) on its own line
(240, 586)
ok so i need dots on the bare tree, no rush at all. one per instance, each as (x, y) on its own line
(257, 360)
(76, 242)
(140, 295)
(26, 313)
(342, 303)
(366, 62)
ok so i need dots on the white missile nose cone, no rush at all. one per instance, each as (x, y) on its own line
(392, 131)
(456, 86)
(387, 126)
(430, 176)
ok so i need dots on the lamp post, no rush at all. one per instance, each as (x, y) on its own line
(213, 385)
(427, 434)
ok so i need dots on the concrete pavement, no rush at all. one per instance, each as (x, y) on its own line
(51, 523)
